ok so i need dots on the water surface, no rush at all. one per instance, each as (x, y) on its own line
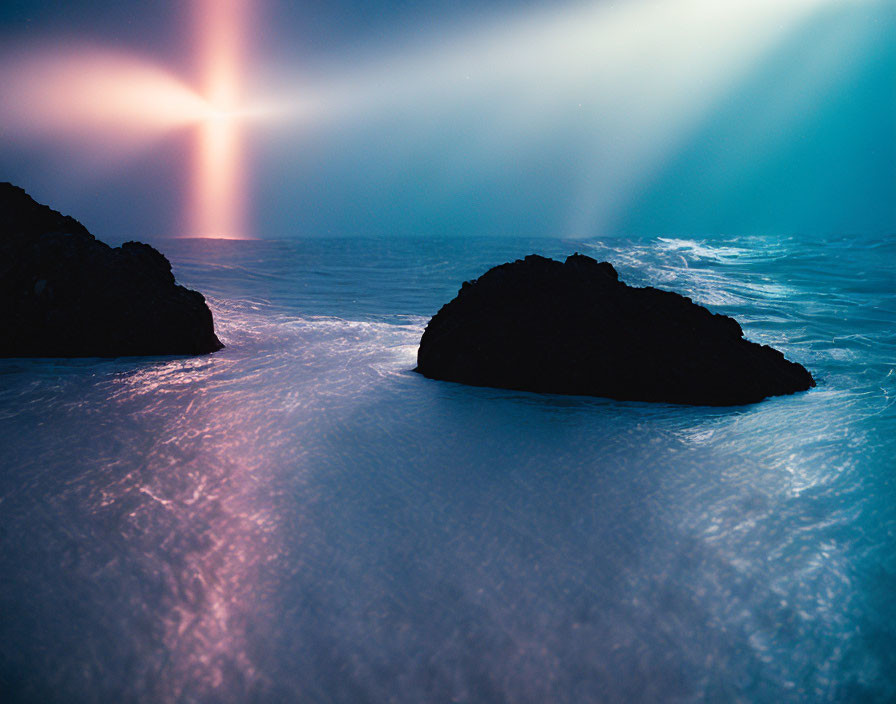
(301, 518)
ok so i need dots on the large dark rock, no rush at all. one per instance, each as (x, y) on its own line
(574, 328)
(64, 293)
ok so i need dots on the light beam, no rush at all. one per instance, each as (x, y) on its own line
(619, 85)
(218, 206)
(622, 82)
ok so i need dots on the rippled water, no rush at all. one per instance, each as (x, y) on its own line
(300, 518)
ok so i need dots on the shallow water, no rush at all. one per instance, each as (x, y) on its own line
(301, 518)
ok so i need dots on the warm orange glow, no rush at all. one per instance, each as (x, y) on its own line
(112, 104)
(86, 91)
(218, 207)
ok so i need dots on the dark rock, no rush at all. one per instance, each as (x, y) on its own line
(64, 293)
(574, 328)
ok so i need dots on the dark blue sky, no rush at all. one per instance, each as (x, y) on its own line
(798, 138)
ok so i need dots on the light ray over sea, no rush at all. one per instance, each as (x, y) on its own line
(218, 203)
(626, 81)
(617, 86)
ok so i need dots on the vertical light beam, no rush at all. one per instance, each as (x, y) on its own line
(218, 205)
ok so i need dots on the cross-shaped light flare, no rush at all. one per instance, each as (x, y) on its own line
(636, 75)
(110, 105)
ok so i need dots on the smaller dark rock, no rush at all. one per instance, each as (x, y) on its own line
(63, 293)
(574, 328)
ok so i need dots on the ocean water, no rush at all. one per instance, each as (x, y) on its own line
(300, 518)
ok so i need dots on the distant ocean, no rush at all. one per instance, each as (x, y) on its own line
(300, 518)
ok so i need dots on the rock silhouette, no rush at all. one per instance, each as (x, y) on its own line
(63, 293)
(573, 328)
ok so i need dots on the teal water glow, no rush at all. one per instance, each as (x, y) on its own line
(300, 518)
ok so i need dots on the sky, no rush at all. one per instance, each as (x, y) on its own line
(278, 119)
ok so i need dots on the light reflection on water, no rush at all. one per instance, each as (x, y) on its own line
(299, 518)
(197, 480)
(172, 493)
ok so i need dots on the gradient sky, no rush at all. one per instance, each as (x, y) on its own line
(498, 118)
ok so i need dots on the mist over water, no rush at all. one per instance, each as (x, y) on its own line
(301, 518)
